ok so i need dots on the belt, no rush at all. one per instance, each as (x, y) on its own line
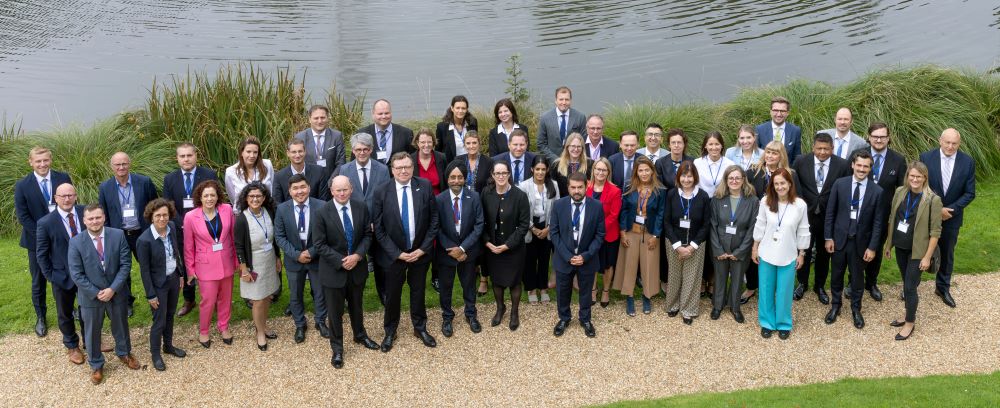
(638, 228)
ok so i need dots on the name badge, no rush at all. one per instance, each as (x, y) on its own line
(685, 223)
(304, 236)
(854, 214)
(382, 155)
(52, 207)
(731, 229)
(640, 220)
(266, 247)
(321, 162)
(216, 247)
(188, 203)
(128, 212)
(903, 226)
(776, 236)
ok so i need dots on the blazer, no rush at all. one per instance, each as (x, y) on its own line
(961, 190)
(891, 177)
(591, 235)
(926, 225)
(378, 175)
(759, 179)
(446, 139)
(525, 165)
(618, 175)
(666, 171)
(331, 244)
(241, 239)
(316, 176)
(90, 277)
(286, 234)
(332, 150)
(173, 189)
(611, 201)
(738, 244)
(506, 227)
(484, 169)
(152, 258)
(200, 260)
(53, 245)
(608, 146)
(389, 225)
(30, 205)
(440, 161)
(854, 142)
(838, 215)
(654, 212)
(143, 191)
(402, 139)
(792, 137)
(530, 190)
(498, 139)
(735, 154)
(698, 213)
(470, 229)
(235, 183)
(804, 171)
(550, 142)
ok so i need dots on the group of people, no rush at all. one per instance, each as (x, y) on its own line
(650, 217)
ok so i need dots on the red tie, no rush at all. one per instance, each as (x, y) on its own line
(100, 247)
(72, 225)
(455, 212)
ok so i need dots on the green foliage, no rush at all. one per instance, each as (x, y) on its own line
(9, 130)
(345, 115)
(516, 84)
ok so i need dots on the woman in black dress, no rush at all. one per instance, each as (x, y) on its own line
(507, 216)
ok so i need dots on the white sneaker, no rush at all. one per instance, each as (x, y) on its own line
(545, 297)
(532, 298)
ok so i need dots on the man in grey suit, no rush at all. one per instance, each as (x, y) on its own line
(291, 233)
(556, 124)
(324, 146)
(315, 175)
(845, 141)
(99, 264)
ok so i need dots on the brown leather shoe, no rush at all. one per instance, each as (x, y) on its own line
(186, 308)
(130, 361)
(75, 355)
(97, 376)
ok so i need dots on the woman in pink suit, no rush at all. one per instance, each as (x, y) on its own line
(211, 258)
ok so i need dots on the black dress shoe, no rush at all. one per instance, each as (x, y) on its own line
(876, 294)
(716, 313)
(271, 335)
(474, 324)
(745, 300)
(821, 294)
(738, 316)
(515, 321)
(158, 363)
(897, 323)
(425, 337)
(288, 310)
(338, 360)
(688, 320)
(560, 328)
(41, 327)
(800, 291)
(784, 334)
(766, 333)
(901, 337)
(174, 351)
(367, 342)
(588, 329)
(498, 317)
(446, 328)
(832, 315)
(387, 342)
(945, 297)
(323, 330)
(859, 320)
(673, 313)
(300, 334)
(228, 341)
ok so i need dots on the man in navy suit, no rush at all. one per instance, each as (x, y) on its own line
(292, 223)
(953, 177)
(558, 123)
(778, 129)
(853, 226)
(461, 215)
(576, 229)
(324, 146)
(889, 172)
(623, 162)
(123, 198)
(596, 145)
(518, 158)
(315, 175)
(33, 199)
(99, 264)
(54, 233)
(390, 138)
(406, 223)
(178, 186)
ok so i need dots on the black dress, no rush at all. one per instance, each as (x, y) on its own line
(507, 218)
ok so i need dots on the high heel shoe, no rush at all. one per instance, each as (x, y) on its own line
(262, 347)
(630, 306)
(271, 335)
(901, 337)
(498, 317)
(229, 341)
(605, 303)
(745, 299)
(205, 344)
(515, 320)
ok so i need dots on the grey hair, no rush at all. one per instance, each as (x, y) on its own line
(363, 139)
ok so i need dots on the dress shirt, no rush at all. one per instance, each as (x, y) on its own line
(826, 172)
(458, 227)
(947, 169)
(775, 129)
(710, 173)
(361, 174)
(595, 151)
(794, 232)
(388, 140)
(303, 235)
(459, 139)
(842, 141)
(65, 221)
(409, 210)
(126, 198)
(94, 239)
(861, 194)
(579, 226)
(541, 198)
(48, 186)
(340, 213)
(652, 155)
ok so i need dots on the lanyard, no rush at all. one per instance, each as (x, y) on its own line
(685, 204)
(909, 207)
(644, 199)
(258, 222)
(470, 179)
(732, 211)
(714, 174)
(782, 215)
(214, 225)
(126, 198)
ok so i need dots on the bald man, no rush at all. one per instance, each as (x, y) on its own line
(952, 177)
(54, 232)
(845, 140)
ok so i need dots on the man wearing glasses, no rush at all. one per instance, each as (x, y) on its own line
(778, 129)
(889, 172)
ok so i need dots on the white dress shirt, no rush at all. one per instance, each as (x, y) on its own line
(168, 248)
(64, 215)
(409, 209)
(710, 173)
(793, 232)
(947, 169)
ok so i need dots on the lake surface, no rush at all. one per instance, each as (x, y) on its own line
(67, 61)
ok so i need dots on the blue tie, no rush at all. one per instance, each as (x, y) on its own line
(302, 218)
(562, 127)
(405, 215)
(348, 230)
(840, 147)
(517, 171)
(187, 183)
(45, 191)
(878, 166)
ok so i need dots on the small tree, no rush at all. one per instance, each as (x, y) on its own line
(515, 81)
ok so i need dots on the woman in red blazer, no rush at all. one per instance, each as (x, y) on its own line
(210, 256)
(601, 188)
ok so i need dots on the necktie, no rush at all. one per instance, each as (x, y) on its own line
(100, 247)
(405, 216)
(562, 127)
(187, 183)
(652, 156)
(946, 170)
(628, 173)
(878, 166)
(840, 147)
(455, 211)
(302, 218)
(819, 176)
(382, 139)
(576, 222)
(364, 181)
(517, 171)
(777, 134)
(349, 229)
(72, 225)
(855, 205)
(319, 147)
(45, 191)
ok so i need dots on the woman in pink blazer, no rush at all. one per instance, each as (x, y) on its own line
(210, 256)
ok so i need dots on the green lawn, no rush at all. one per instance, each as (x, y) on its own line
(974, 390)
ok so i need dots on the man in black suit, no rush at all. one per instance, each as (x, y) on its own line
(54, 233)
(33, 200)
(461, 215)
(518, 157)
(666, 166)
(596, 145)
(390, 138)
(816, 173)
(623, 162)
(852, 229)
(178, 186)
(406, 223)
(576, 229)
(342, 235)
(315, 175)
(889, 172)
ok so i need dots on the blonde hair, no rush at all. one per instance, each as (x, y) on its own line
(777, 147)
(607, 164)
(563, 166)
(922, 169)
(37, 151)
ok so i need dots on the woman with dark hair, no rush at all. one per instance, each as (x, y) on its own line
(429, 163)
(640, 223)
(734, 211)
(506, 216)
(505, 115)
(451, 130)
(710, 166)
(210, 257)
(759, 176)
(602, 189)
(259, 259)
(250, 167)
(685, 226)
(162, 269)
(541, 192)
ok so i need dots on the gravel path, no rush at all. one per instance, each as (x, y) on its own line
(644, 357)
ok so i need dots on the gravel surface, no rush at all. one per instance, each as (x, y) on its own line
(644, 357)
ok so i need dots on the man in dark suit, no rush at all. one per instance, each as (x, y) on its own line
(99, 264)
(623, 162)
(953, 177)
(123, 198)
(366, 175)
(406, 223)
(178, 186)
(461, 215)
(292, 222)
(556, 124)
(324, 146)
(666, 166)
(576, 229)
(816, 173)
(596, 145)
(33, 200)
(54, 233)
(390, 138)
(342, 234)
(778, 129)
(518, 158)
(315, 175)
(852, 229)
(889, 172)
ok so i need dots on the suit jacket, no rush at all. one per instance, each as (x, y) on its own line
(699, 213)
(286, 234)
(618, 175)
(402, 141)
(926, 222)
(608, 147)
(143, 191)
(591, 235)
(446, 139)
(854, 142)
(90, 277)
(805, 186)
(332, 150)
(331, 244)
(738, 244)
(389, 225)
(507, 219)
(892, 176)
(550, 142)
(378, 174)
(838, 216)
(152, 258)
(525, 165)
(562, 180)
(173, 189)
(484, 168)
(470, 229)
(316, 176)
(665, 170)
(53, 246)
(440, 161)
(30, 205)
(792, 137)
(961, 190)
(243, 243)
(498, 139)
(199, 258)
(530, 189)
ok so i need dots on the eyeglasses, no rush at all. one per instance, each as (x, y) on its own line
(255, 197)
(873, 137)
(501, 173)
(65, 195)
(600, 169)
(402, 167)
(362, 149)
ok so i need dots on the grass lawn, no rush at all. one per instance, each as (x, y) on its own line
(973, 390)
